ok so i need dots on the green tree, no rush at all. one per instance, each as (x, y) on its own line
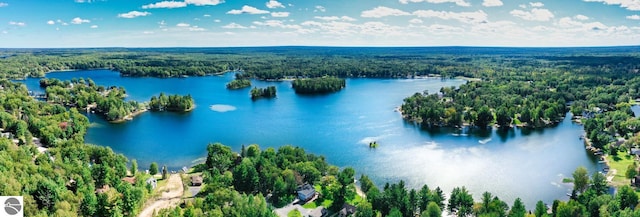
(599, 183)
(153, 168)
(485, 117)
(626, 197)
(164, 172)
(46, 195)
(433, 210)
(518, 209)
(134, 167)
(364, 209)
(395, 212)
(580, 179)
(632, 170)
(541, 209)
(461, 202)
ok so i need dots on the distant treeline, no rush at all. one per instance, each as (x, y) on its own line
(282, 62)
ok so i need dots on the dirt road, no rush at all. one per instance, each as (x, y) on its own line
(171, 195)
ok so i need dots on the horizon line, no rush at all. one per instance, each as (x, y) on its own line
(331, 46)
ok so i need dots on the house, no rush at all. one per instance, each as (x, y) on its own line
(347, 210)
(153, 182)
(196, 180)
(635, 181)
(306, 192)
(104, 189)
(130, 180)
(635, 152)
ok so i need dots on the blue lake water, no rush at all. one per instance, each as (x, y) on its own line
(516, 163)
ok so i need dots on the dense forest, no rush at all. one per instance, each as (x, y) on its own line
(46, 161)
(319, 85)
(174, 103)
(303, 62)
(267, 92)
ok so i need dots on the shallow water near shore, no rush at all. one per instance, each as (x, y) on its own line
(513, 163)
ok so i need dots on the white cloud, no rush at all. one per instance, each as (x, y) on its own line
(79, 20)
(14, 23)
(634, 17)
(180, 4)
(535, 14)
(279, 14)
(581, 17)
(335, 18)
(274, 4)
(523, 6)
(457, 2)
(183, 25)
(382, 11)
(492, 3)
(207, 15)
(536, 4)
(571, 25)
(203, 2)
(196, 29)
(217, 20)
(248, 10)
(415, 21)
(147, 32)
(134, 14)
(165, 4)
(2, 4)
(51, 22)
(633, 5)
(94, 26)
(276, 23)
(320, 8)
(234, 26)
(465, 17)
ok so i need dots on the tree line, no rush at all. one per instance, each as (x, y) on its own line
(319, 85)
(267, 92)
(175, 103)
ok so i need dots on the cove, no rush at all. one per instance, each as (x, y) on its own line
(515, 163)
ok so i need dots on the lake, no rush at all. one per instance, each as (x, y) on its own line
(515, 163)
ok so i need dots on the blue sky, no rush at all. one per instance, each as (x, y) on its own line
(220, 23)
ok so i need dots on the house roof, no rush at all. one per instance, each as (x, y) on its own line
(306, 189)
(130, 180)
(196, 179)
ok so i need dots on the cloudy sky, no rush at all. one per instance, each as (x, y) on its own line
(216, 23)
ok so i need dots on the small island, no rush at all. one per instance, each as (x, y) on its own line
(268, 92)
(173, 103)
(320, 85)
(241, 81)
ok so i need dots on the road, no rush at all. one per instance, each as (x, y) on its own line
(171, 195)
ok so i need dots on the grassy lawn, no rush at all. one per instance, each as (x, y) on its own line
(310, 205)
(620, 163)
(356, 200)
